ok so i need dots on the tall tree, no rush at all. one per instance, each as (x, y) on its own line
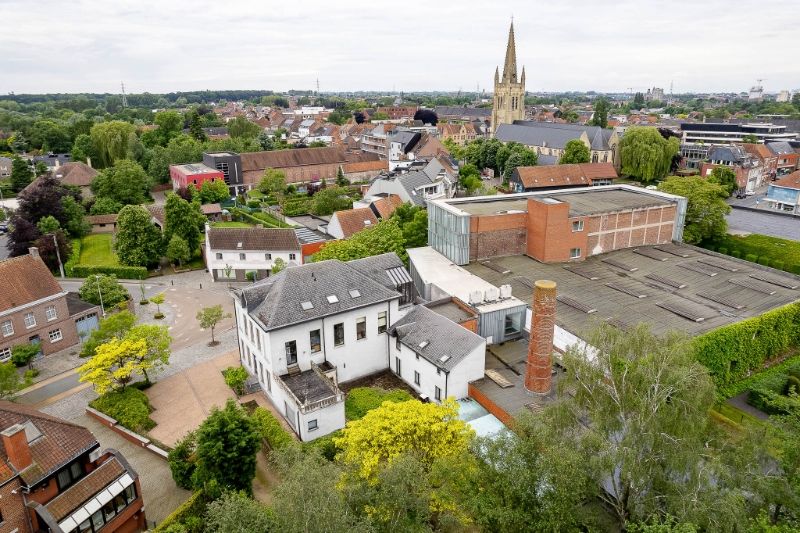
(645, 154)
(21, 174)
(126, 183)
(110, 141)
(75, 214)
(241, 127)
(272, 182)
(196, 125)
(116, 325)
(214, 191)
(574, 152)
(600, 116)
(706, 207)
(183, 219)
(113, 365)
(724, 176)
(520, 157)
(138, 239)
(177, 250)
(156, 355)
(170, 124)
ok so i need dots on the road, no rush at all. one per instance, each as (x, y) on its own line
(3, 249)
(745, 221)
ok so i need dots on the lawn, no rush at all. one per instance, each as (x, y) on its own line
(231, 224)
(97, 250)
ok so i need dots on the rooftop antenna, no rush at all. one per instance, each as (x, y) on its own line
(124, 98)
(317, 86)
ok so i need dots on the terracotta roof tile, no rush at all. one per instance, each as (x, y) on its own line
(564, 175)
(387, 205)
(365, 166)
(253, 239)
(23, 280)
(354, 220)
(102, 219)
(792, 181)
(211, 209)
(75, 496)
(76, 173)
(759, 150)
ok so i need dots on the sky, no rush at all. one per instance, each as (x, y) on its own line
(181, 45)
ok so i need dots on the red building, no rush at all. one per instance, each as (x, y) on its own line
(192, 173)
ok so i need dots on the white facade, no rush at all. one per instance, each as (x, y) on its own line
(242, 261)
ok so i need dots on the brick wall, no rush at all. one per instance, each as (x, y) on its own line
(497, 235)
(615, 231)
(43, 327)
(550, 232)
(13, 508)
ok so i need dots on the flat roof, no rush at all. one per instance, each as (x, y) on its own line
(583, 201)
(652, 284)
(450, 310)
(196, 168)
(308, 386)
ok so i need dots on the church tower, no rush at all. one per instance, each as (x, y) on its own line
(509, 92)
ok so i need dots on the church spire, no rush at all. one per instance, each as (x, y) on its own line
(510, 67)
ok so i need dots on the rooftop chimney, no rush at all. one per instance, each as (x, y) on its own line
(538, 374)
(34, 251)
(15, 442)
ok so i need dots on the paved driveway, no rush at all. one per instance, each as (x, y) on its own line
(742, 221)
(184, 400)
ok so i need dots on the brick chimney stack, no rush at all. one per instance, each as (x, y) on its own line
(15, 442)
(538, 374)
(33, 251)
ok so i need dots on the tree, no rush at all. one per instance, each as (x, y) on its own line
(327, 201)
(379, 115)
(413, 221)
(359, 117)
(116, 325)
(83, 149)
(105, 206)
(184, 219)
(749, 138)
(600, 116)
(10, 381)
(431, 431)
(52, 252)
(645, 154)
(385, 236)
(273, 182)
(574, 152)
(21, 174)
(196, 126)
(785, 488)
(209, 317)
(111, 290)
(24, 354)
(638, 101)
(170, 124)
(427, 116)
(235, 512)
(640, 418)
(341, 180)
(177, 250)
(520, 157)
(338, 116)
(75, 215)
(241, 127)
(725, 177)
(278, 265)
(48, 224)
(227, 443)
(40, 168)
(111, 141)
(706, 209)
(113, 365)
(158, 299)
(156, 354)
(50, 136)
(138, 239)
(126, 183)
(214, 191)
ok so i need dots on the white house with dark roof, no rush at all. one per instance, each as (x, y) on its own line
(307, 329)
(232, 253)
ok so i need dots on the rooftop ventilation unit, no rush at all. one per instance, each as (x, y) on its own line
(505, 292)
(492, 294)
(423, 344)
(475, 297)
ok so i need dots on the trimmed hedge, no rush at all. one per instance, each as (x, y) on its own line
(731, 353)
(361, 400)
(768, 392)
(185, 516)
(121, 272)
(271, 430)
(74, 257)
(130, 407)
(259, 217)
(782, 254)
(235, 377)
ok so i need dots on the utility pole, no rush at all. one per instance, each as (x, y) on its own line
(58, 255)
(102, 307)
(124, 98)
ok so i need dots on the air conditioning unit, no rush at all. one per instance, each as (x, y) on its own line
(475, 297)
(492, 294)
(505, 292)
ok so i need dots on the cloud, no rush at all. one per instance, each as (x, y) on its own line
(176, 45)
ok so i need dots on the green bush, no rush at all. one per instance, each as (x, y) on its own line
(297, 206)
(74, 258)
(325, 445)
(180, 461)
(763, 261)
(253, 204)
(250, 276)
(363, 399)
(122, 272)
(764, 246)
(271, 430)
(235, 376)
(723, 250)
(188, 517)
(751, 257)
(778, 264)
(737, 254)
(732, 352)
(130, 407)
(792, 386)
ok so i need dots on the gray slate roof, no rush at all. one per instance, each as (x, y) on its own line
(387, 269)
(534, 133)
(730, 154)
(456, 111)
(436, 338)
(259, 239)
(277, 301)
(546, 160)
(411, 181)
(780, 147)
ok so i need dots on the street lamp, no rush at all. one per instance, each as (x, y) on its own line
(58, 255)
(97, 279)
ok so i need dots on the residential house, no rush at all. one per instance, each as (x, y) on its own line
(364, 170)
(787, 157)
(233, 253)
(346, 223)
(542, 178)
(460, 134)
(767, 159)
(77, 174)
(399, 112)
(35, 309)
(784, 194)
(551, 139)
(400, 145)
(309, 329)
(54, 477)
(385, 206)
(304, 130)
(749, 172)
(102, 223)
(51, 160)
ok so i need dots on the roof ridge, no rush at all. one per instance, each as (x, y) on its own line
(30, 412)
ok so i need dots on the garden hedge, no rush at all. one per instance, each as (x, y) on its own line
(74, 257)
(130, 407)
(121, 272)
(361, 400)
(781, 254)
(731, 353)
(271, 430)
(191, 510)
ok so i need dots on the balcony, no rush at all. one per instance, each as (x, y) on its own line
(311, 389)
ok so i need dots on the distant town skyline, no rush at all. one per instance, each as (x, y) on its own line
(575, 45)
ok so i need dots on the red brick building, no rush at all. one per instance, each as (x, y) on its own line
(301, 165)
(193, 174)
(54, 477)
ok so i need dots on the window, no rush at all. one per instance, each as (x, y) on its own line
(338, 334)
(314, 337)
(382, 322)
(267, 256)
(292, 257)
(291, 352)
(574, 253)
(55, 335)
(30, 320)
(312, 425)
(219, 255)
(361, 328)
(69, 475)
(397, 365)
(8, 328)
(50, 312)
(242, 257)
(5, 354)
(512, 324)
(416, 377)
(268, 382)
(577, 225)
(438, 394)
